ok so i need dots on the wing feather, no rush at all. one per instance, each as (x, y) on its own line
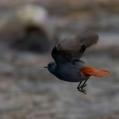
(72, 48)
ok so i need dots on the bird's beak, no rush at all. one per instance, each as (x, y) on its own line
(45, 66)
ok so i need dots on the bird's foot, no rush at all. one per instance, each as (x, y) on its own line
(82, 88)
(84, 85)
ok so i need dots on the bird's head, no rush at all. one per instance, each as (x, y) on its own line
(51, 67)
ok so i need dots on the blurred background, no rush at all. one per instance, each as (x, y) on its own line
(28, 31)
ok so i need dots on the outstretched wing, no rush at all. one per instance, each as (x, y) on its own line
(71, 49)
(58, 56)
(75, 47)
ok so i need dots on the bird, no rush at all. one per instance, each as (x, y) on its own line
(68, 66)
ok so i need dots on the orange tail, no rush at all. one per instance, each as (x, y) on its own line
(91, 71)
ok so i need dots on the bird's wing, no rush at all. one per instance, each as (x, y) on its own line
(75, 47)
(58, 56)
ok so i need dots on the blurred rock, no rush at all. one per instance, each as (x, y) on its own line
(27, 28)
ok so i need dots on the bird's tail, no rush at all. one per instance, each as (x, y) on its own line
(91, 71)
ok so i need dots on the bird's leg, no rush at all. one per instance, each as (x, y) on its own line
(78, 87)
(84, 84)
(81, 87)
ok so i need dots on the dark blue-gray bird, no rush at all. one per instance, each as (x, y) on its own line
(68, 66)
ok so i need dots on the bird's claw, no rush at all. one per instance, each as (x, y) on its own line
(83, 91)
(81, 88)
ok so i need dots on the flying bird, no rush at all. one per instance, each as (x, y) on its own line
(68, 66)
